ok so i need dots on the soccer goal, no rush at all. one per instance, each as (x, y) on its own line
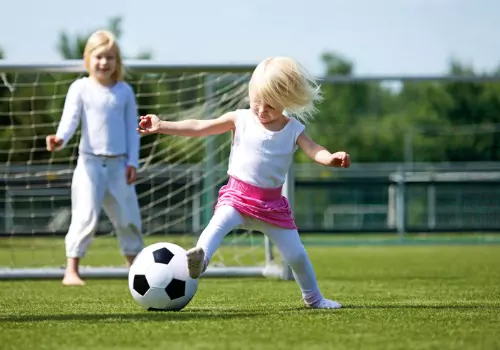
(177, 184)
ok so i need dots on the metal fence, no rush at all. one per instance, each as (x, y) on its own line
(367, 198)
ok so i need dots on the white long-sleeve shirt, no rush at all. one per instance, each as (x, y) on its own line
(108, 116)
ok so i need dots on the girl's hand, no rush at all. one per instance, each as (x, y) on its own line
(340, 159)
(149, 124)
(53, 143)
(131, 174)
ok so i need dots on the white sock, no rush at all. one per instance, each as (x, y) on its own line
(325, 304)
(312, 298)
(195, 262)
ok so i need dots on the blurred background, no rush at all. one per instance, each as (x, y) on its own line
(412, 92)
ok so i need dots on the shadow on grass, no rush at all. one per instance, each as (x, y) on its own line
(152, 316)
(404, 306)
(424, 306)
(192, 315)
(392, 278)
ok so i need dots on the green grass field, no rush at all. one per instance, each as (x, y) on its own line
(395, 296)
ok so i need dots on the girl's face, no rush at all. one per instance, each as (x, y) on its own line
(102, 64)
(266, 113)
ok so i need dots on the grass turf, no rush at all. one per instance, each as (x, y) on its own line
(395, 297)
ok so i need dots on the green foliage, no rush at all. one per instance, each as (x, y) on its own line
(73, 48)
(373, 121)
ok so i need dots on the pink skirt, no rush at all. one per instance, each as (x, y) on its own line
(266, 204)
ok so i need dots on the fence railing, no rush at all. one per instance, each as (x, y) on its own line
(391, 200)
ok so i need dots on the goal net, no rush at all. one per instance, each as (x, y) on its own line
(178, 178)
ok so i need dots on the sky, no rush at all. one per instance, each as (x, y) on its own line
(384, 37)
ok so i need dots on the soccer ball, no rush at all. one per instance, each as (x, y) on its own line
(159, 280)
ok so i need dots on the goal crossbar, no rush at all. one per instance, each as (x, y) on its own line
(77, 66)
(270, 271)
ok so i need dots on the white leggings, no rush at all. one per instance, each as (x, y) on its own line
(101, 182)
(226, 218)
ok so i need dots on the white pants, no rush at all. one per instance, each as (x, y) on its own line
(101, 182)
(226, 218)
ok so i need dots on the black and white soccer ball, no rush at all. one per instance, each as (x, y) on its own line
(159, 280)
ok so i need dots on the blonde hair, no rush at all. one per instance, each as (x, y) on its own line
(106, 39)
(284, 82)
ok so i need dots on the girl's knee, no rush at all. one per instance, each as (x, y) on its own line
(297, 257)
(128, 230)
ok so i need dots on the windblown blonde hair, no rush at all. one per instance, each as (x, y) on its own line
(283, 82)
(106, 39)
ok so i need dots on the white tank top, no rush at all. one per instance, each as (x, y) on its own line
(261, 157)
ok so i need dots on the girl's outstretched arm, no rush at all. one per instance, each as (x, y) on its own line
(151, 124)
(320, 155)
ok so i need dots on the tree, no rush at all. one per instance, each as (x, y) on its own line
(73, 48)
(371, 121)
(349, 114)
(25, 115)
(473, 104)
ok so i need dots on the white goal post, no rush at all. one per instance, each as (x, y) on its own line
(177, 182)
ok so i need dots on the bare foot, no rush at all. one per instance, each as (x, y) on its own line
(129, 260)
(72, 279)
